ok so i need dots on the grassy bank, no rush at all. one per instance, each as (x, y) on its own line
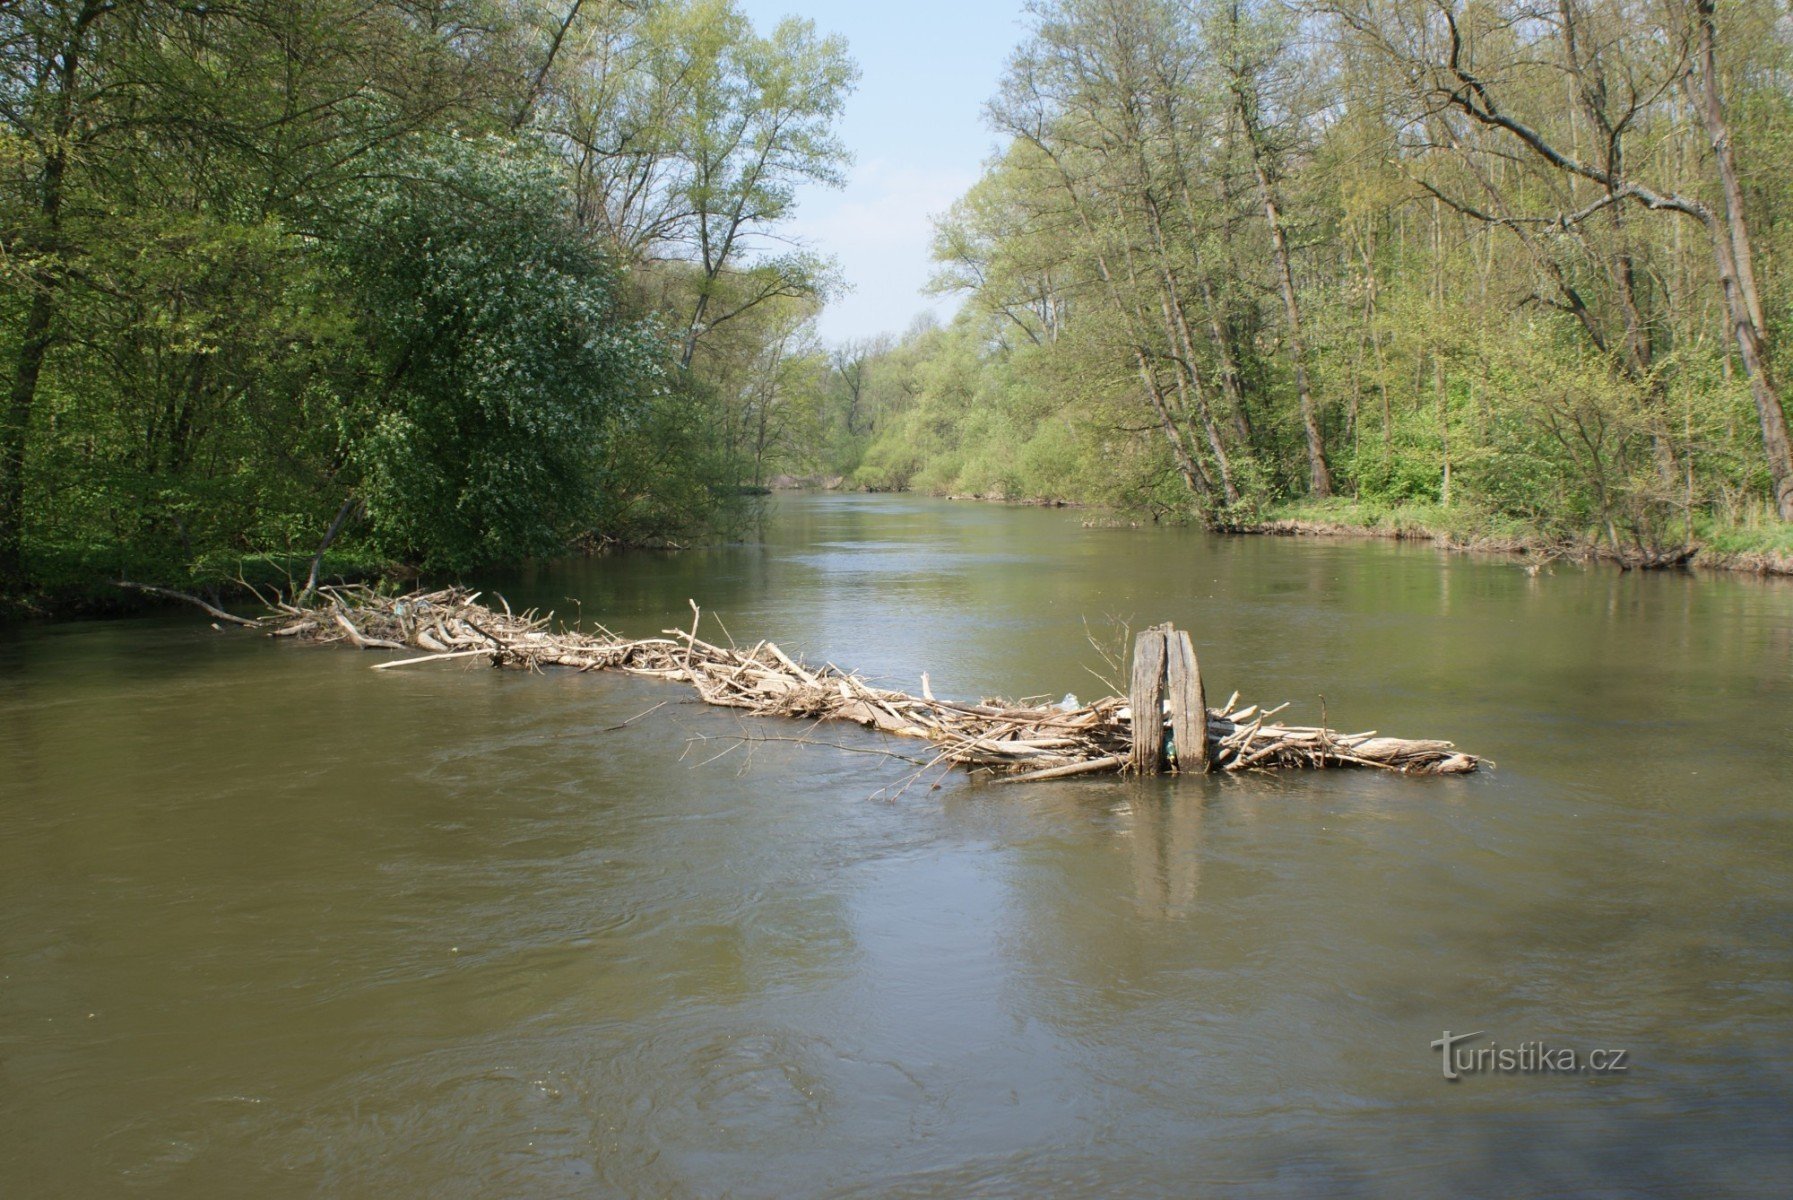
(1761, 546)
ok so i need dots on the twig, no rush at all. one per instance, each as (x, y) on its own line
(635, 718)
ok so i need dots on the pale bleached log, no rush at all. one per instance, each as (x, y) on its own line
(425, 658)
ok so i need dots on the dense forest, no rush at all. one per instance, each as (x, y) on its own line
(450, 282)
(1510, 268)
(446, 283)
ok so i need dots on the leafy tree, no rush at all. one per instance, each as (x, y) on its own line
(1519, 263)
(264, 269)
(502, 360)
(689, 134)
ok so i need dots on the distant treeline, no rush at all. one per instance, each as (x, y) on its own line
(466, 280)
(1523, 261)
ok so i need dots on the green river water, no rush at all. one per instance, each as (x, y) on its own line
(276, 925)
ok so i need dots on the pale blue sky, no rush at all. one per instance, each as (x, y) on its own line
(917, 133)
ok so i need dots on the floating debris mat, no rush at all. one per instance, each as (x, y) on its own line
(1016, 741)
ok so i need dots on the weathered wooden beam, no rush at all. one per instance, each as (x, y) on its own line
(1188, 703)
(1147, 700)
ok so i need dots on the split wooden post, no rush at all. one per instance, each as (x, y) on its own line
(1188, 703)
(1165, 667)
(1147, 700)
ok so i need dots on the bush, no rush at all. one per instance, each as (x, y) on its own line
(504, 364)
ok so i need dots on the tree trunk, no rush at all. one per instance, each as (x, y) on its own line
(526, 109)
(15, 433)
(40, 320)
(1231, 384)
(1439, 391)
(1319, 474)
(349, 507)
(1176, 332)
(1736, 267)
(1177, 322)
(1187, 465)
(1229, 368)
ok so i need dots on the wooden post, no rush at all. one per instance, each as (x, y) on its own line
(1147, 700)
(1188, 703)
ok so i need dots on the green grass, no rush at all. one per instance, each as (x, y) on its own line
(1461, 523)
(1756, 534)
(1754, 537)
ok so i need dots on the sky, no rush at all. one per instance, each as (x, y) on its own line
(916, 129)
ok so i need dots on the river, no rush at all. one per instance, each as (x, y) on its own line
(273, 924)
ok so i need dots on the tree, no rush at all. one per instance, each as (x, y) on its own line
(1459, 55)
(1247, 48)
(852, 362)
(502, 360)
(1526, 248)
(172, 173)
(689, 135)
(761, 125)
(44, 89)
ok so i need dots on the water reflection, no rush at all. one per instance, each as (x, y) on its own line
(1166, 831)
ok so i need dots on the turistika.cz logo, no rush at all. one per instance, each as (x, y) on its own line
(1459, 1058)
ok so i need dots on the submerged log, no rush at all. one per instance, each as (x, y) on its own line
(1018, 741)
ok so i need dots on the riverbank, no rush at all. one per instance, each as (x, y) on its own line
(1760, 549)
(76, 585)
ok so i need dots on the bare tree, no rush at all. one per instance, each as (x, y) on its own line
(852, 362)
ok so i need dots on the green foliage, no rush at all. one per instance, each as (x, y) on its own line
(956, 416)
(1757, 533)
(492, 270)
(501, 359)
(1486, 337)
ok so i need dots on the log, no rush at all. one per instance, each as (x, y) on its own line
(1147, 696)
(170, 594)
(361, 641)
(1188, 703)
(426, 658)
(1091, 767)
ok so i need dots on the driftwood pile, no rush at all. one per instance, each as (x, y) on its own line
(1017, 741)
